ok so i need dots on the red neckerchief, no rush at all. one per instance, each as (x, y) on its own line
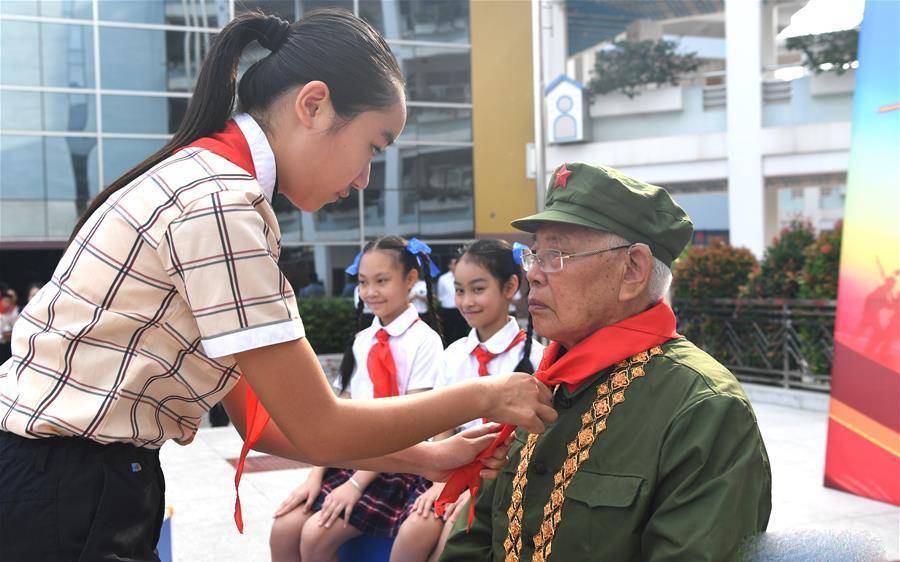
(231, 145)
(597, 352)
(483, 356)
(381, 367)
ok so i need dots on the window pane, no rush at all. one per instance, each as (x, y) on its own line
(441, 179)
(283, 8)
(54, 168)
(23, 219)
(291, 9)
(436, 74)
(120, 155)
(336, 222)
(22, 169)
(446, 21)
(438, 124)
(34, 111)
(140, 59)
(197, 13)
(78, 9)
(420, 191)
(140, 114)
(64, 54)
(289, 220)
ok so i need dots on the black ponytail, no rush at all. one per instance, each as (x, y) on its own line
(330, 45)
(408, 262)
(525, 365)
(496, 256)
(348, 362)
(431, 317)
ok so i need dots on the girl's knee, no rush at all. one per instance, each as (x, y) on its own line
(284, 537)
(320, 543)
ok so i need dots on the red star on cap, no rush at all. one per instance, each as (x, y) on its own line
(562, 176)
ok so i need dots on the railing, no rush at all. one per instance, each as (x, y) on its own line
(789, 343)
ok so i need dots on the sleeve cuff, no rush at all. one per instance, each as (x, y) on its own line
(253, 338)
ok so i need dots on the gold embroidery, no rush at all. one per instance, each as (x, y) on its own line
(513, 543)
(593, 423)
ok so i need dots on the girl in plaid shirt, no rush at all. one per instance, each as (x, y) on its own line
(169, 299)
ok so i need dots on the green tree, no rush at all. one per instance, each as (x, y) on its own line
(820, 271)
(715, 271)
(838, 48)
(628, 65)
(781, 270)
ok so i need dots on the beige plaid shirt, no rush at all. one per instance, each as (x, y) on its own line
(133, 338)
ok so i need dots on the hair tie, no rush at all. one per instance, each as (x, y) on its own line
(274, 32)
(353, 268)
(416, 247)
(517, 250)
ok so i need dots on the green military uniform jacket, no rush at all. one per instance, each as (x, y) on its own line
(677, 471)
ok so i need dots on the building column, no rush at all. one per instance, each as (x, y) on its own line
(746, 209)
(393, 178)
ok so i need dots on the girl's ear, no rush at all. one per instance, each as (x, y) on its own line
(312, 106)
(411, 279)
(510, 287)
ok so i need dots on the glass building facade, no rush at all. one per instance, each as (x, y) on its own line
(91, 87)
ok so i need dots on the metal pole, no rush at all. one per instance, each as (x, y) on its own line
(540, 173)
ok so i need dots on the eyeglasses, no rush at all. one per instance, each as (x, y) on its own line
(551, 261)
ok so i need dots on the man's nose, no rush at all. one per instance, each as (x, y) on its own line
(535, 276)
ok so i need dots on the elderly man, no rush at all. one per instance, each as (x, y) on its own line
(656, 454)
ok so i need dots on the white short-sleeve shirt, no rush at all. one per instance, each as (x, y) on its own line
(416, 349)
(419, 297)
(459, 365)
(446, 290)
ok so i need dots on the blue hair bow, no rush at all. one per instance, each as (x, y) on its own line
(417, 247)
(353, 268)
(517, 252)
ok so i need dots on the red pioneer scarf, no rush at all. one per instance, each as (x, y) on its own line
(483, 356)
(603, 348)
(381, 367)
(231, 145)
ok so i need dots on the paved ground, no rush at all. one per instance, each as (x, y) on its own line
(201, 491)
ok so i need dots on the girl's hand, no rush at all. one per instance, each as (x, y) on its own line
(304, 494)
(519, 399)
(453, 510)
(425, 502)
(341, 500)
(461, 449)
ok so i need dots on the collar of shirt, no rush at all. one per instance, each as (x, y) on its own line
(497, 343)
(261, 151)
(400, 324)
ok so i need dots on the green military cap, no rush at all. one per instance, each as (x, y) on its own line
(606, 199)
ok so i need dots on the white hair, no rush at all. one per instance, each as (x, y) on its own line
(660, 276)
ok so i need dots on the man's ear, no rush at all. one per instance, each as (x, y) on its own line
(312, 106)
(636, 272)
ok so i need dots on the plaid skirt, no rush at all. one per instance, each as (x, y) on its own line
(383, 506)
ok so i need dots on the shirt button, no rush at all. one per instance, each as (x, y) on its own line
(539, 468)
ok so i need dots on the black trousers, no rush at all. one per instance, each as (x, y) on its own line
(68, 499)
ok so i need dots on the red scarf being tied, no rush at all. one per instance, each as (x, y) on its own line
(602, 349)
(231, 145)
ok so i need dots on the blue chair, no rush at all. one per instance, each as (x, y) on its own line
(164, 546)
(366, 549)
